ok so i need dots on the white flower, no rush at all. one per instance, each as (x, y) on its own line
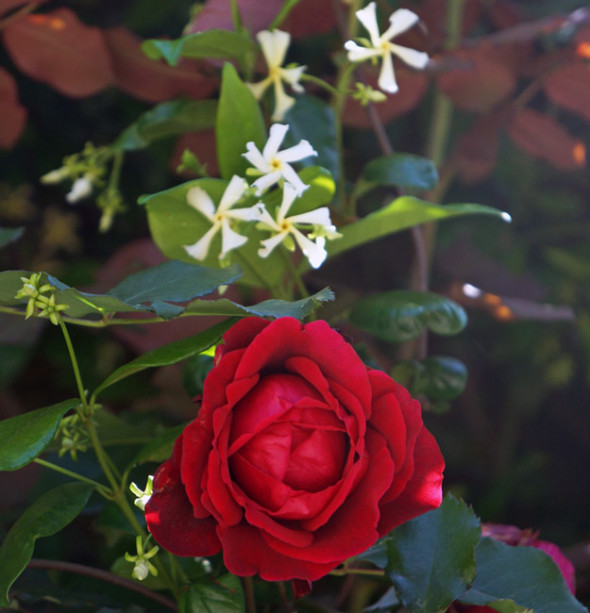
(55, 176)
(274, 48)
(285, 226)
(274, 164)
(143, 496)
(221, 218)
(81, 188)
(400, 21)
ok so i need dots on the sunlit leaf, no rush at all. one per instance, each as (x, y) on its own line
(239, 121)
(49, 514)
(24, 437)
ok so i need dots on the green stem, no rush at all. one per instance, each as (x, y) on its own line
(320, 83)
(367, 572)
(101, 489)
(75, 367)
(294, 274)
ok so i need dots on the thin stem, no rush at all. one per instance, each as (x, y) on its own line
(248, 586)
(101, 489)
(102, 575)
(294, 274)
(75, 367)
(320, 83)
(367, 572)
(22, 12)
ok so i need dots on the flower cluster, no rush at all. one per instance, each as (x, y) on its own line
(271, 166)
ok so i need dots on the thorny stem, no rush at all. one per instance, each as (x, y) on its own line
(102, 575)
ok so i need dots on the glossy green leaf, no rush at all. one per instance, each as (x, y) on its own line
(437, 377)
(401, 315)
(431, 559)
(49, 514)
(166, 120)
(398, 169)
(150, 290)
(313, 120)
(9, 235)
(209, 44)
(168, 354)
(239, 121)
(524, 575)
(24, 437)
(267, 308)
(401, 214)
(222, 596)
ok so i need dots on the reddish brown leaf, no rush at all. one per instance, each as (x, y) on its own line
(308, 17)
(12, 115)
(153, 80)
(481, 81)
(58, 49)
(9, 5)
(569, 86)
(504, 14)
(541, 136)
(477, 150)
(412, 87)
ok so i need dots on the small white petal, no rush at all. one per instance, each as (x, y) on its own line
(274, 46)
(200, 249)
(55, 176)
(269, 244)
(415, 59)
(368, 17)
(293, 179)
(401, 21)
(233, 192)
(387, 80)
(268, 180)
(313, 251)
(277, 134)
(356, 53)
(289, 195)
(200, 200)
(266, 218)
(283, 102)
(302, 150)
(229, 239)
(248, 214)
(81, 188)
(255, 158)
(258, 89)
(318, 217)
(292, 76)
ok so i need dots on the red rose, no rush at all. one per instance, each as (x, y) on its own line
(300, 456)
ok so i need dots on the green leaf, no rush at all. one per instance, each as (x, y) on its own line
(398, 169)
(239, 121)
(525, 575)
(168, 119)
(168, 354)
(24, 437)
(431, 557)
(160, 448)
(9, 235)
(47, 515)
(313, 120)
(150, 290)
(210, 44)
(401, 315)
(223, 596)
(267, 308)
(437, 377)
(401, 214)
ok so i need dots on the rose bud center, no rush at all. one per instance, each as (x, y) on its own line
(287, 433)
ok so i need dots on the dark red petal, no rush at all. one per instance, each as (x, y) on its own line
(245, 553)
(240, 335)
(423, 491)
(170, 518)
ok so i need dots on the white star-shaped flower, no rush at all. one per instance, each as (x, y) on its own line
(221, 218)
(400, 21)
(274, 46)
(273, 164)
(284, 227)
